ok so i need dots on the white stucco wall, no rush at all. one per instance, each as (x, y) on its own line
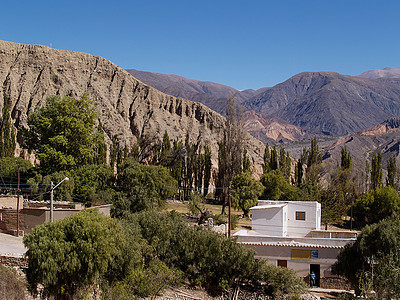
(270, 220)
(300, 228)
(278, 218)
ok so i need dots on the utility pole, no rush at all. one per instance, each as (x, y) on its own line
(52, 188)
(18, 204)
(51, 202)
(229, 212)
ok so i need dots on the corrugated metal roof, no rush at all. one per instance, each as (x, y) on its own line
(291, 244)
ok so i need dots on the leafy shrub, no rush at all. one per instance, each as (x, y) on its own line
(207, 258)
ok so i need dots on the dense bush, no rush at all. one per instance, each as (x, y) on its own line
(207, 258)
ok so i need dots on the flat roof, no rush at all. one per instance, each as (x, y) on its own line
(268, 206)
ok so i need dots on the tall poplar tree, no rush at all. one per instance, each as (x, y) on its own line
(7, 131)
(376, 171)
(392, 170)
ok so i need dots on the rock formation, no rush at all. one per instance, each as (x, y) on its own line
(127, 107)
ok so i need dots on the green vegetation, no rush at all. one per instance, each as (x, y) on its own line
(245, 191)
(142, 187)
(69, 255)
(140, 255)
(372, 262)
(7, 132)
(63, 133)
(143, 250)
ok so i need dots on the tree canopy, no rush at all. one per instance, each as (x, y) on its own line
(373, 262)
(71, 254)
(63, 133)
(142, 187)
(245, 191)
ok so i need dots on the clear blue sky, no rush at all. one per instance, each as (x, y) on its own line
(243, 44)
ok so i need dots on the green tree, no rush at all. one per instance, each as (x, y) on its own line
(299, 170)
(39, 186)
(230, 151)
(93, 183)
(374, 258)
(285, 162)
(313, 157)
(273, 161)
(142, 187)
(208, 258)
(9, 167)
(100, 147)
(392, 171)
(165, 150)
(267, 157)
(63, 133)
(376, 171)
(377, 204)
(246, 161)
(71, 254)
(245, 191)
(277, 186)
(345, 160)
(207, 169)
(7, 132)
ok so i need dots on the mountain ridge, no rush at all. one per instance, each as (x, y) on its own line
(127, 107)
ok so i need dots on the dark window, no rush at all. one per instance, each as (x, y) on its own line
(282, 263)
(301, 215)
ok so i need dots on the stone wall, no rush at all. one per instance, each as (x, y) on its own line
(13, 261)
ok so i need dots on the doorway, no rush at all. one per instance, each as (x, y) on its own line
(316, 269)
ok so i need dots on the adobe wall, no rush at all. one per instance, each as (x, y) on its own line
(10, 202)
(8, 221)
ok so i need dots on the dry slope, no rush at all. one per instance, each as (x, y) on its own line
(127, 107)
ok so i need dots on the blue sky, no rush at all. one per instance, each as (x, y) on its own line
(243, 44)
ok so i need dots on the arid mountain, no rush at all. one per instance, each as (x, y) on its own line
(266, 128)
(362, 145)
(388, 72)
(271, 129)
(127, 107)
(211, 94)
(330, 103)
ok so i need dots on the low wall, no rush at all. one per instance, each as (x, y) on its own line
(13, 261)
(30, 217)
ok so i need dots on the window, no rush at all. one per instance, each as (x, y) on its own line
(301, 215)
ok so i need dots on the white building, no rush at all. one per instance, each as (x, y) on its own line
(288, 234)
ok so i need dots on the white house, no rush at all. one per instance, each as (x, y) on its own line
(288, 234)
(286, 218)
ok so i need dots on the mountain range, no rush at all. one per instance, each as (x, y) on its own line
(325, 103)
(128, 108)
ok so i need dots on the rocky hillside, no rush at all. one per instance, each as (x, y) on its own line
(211, 94)
(384, 137)
(127, 107)
(330, 103)
(265, 128)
